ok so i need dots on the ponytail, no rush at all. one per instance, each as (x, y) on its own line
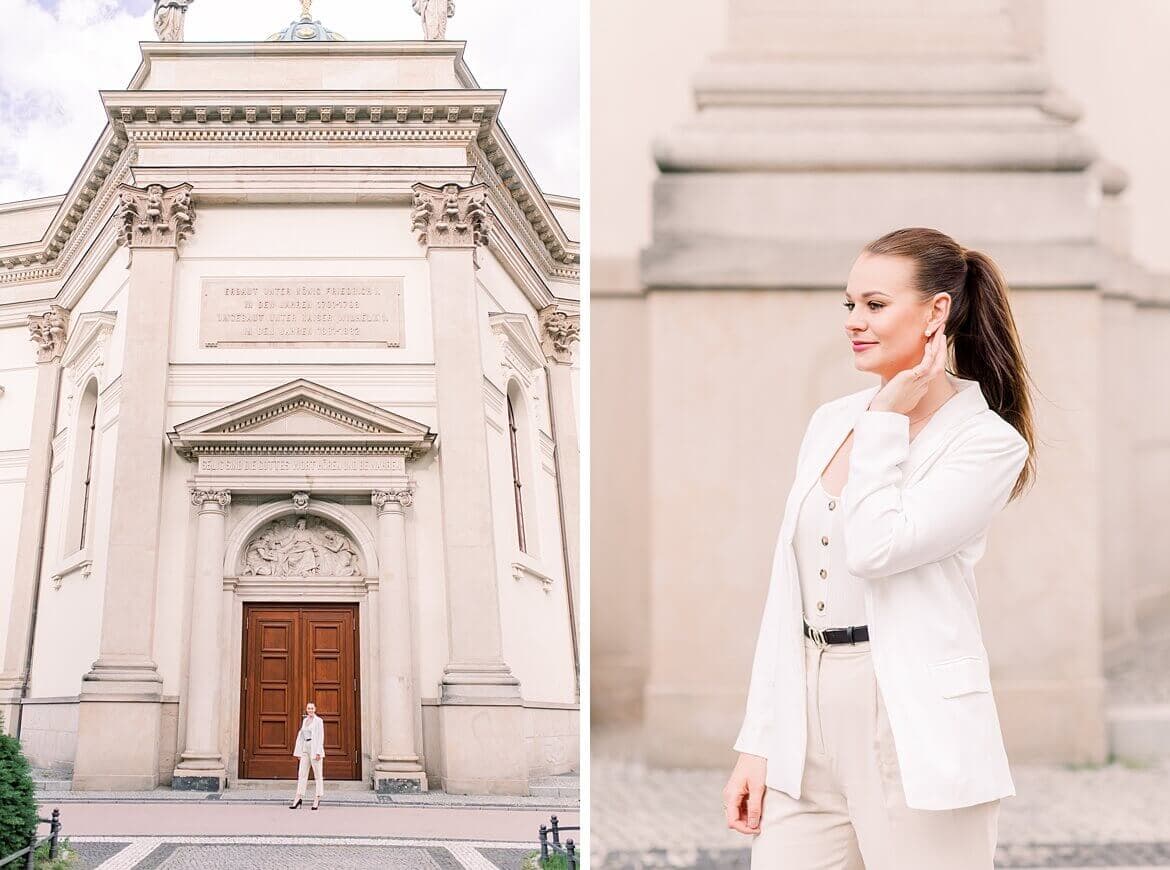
(980, 327)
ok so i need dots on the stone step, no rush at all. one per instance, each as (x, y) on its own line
(1139, 732)
(287, 785)
(564, 785)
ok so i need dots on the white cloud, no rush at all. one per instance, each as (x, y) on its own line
(56, 54)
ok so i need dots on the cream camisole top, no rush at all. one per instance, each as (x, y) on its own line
(832, 597)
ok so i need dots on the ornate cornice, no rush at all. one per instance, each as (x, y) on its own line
(155, 216)
(47, 332)
(451, 216)
(558, 331)
(387, 500)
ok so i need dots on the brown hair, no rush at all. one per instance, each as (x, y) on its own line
(980, 329)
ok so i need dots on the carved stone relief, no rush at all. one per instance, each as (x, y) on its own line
(301, 547)
(450, 216)
(155, 216)
(558, 331)
(47, 331)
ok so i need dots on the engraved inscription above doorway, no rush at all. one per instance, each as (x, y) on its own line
(301, 547)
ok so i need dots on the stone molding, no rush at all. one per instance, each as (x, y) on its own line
(338, 515)
(451, 216)
(85, 349)
(387, 500)
(155, 216)
(47, 331)
(558, 330)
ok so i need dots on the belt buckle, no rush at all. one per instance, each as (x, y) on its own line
(818, 636)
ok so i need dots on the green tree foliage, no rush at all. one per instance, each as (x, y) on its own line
(18, 805)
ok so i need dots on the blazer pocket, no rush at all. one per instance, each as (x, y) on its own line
(961, 676)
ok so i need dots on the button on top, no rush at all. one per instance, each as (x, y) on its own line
(824, 573)
(820, 605)
(832, 504)
(825, 540)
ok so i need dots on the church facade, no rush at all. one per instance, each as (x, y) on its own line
(297, 422)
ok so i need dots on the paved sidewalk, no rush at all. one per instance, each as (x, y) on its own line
(1111, 816)
(175, 835)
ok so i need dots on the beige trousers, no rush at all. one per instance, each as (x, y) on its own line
(303, 775)
(852, 813)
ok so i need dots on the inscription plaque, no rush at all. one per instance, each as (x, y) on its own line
(239, 312)
(393, 464)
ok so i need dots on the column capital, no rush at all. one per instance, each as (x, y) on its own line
(451, 216)
(558, 330)
(48, 332)
(211, 499)
(155, 216)
(387, 500)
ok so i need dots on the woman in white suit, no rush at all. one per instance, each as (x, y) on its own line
(871, 737)
(310, 749)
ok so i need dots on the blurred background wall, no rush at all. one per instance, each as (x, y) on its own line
(743, 151)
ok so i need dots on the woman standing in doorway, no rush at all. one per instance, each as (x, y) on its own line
(310, 749)
(871, 737)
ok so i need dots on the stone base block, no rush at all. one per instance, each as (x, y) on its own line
(483, 749)
(117, 745)
(399, 782)
(190, 780)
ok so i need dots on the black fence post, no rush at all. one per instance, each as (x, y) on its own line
(30, 857)
(544, 842)
(54, 831)
(572, 853)
(556, 831)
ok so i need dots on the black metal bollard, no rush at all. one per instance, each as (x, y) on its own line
(556, 831)
(54, 832)
(544, 842)
(30, 857)
(571, 851)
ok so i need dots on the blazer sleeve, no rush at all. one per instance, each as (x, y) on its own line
(319, 737)
(888, 528)
(755, 733)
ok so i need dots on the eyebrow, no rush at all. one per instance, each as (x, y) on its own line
(868, 293)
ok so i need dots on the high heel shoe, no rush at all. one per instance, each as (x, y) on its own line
(295, 804)
(316, 803)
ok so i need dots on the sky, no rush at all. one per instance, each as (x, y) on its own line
(55, 55)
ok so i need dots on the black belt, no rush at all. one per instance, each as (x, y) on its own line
(848, 634)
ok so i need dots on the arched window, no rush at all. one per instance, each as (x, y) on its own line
(81, 491)
(517, 483)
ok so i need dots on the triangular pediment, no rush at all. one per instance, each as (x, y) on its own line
(301, 416)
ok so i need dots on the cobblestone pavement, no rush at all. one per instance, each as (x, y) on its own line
(1061, 817)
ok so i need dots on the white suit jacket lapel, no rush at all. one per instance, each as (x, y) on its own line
(835, 425)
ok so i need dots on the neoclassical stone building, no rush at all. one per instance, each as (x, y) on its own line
(297, 422)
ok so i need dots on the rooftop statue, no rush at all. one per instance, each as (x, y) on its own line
(168, 19)
(434, 16)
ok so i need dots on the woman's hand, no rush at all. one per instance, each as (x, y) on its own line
(316, 758)
(743, 796)
(903, 391)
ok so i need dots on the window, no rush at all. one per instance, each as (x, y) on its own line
(82, 478)
(517, 485)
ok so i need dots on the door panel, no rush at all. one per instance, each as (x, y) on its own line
(292, 655)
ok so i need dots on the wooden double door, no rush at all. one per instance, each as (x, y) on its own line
(294, 654)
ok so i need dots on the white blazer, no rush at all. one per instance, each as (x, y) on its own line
(916, 516)
(316, 742)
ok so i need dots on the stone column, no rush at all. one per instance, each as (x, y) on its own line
(399, 768)
(48, 331)
(558, 331)
(481, 718)
(120, 715)
(829, 124)
(201, 767)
